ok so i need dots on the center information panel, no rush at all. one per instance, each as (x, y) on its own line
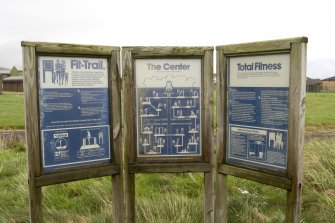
(258, 91)
(168, 94)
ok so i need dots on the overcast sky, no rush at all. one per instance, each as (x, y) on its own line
(169, 23)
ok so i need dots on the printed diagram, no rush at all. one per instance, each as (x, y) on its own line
(90, 142)
(276, 140)
(256, 149)
(168, 120)
(60, 146)
(61, 152)
(57, 72)
(91, 146)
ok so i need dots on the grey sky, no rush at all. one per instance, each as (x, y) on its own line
(166, 23)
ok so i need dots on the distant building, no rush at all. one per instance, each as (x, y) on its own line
(13, 84)
(11, 79)
(328, 84)
(4, 72)
(15, 72)
(313, 85)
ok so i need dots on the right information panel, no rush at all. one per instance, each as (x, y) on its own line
(258, 88)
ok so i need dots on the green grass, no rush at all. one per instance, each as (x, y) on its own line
(13, 183)
(11, 110)
(320, 110)
(170, 197)
(319, 181)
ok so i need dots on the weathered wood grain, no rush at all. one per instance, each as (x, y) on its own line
(209, 196)
(75, 175)
(169, 168)
(130, 199)
(171, 159)
(297, 99)
(221, 186)
(264, 178)
(129, 110)
(264, 46)
(168, 51)
(115, 100)
(64, 48)
(221, 198)
(32, 130)
(207, 106)
(115, 106)
(221, 117)
(129, 136)
(207, 135)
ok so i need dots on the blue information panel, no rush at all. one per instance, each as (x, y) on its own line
(168, 94)
(74, 111)
(258, 88)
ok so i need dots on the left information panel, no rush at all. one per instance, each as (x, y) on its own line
(74, 111)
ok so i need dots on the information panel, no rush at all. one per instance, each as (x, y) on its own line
(74, 111)
(258, 88)
(168, 94)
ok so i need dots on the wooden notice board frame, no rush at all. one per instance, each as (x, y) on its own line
(290, 178)
(175, 164)
(39, 178)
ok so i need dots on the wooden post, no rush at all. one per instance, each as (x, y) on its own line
(33, 140)
(208, 130)
(221, 186)
(129, 179)
(130, 197)
(296, 131)
(117, 180)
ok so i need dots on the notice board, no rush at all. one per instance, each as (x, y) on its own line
(74, 111)
(260, 118)
(257, 102)
(168, 94)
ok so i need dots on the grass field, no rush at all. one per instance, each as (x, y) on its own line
(11, 110)
(320, 108)
(179, 197)
(170, 197)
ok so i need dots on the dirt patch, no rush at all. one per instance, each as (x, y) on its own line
(325, 134)
(330, 192)
(12, 136)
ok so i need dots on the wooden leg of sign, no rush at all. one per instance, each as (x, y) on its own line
(221, 206)
(296, 133)
(33, 132)
(209, 195)
(293, 207)
(130, 198)
(118, 202)
(35, 202)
